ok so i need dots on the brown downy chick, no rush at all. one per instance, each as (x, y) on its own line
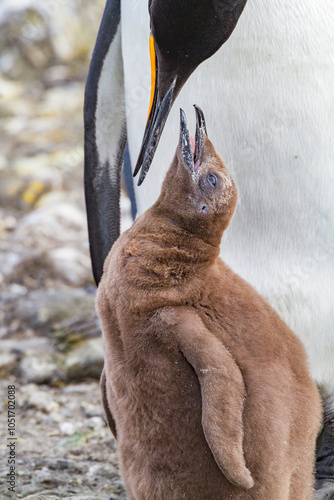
(204, 386)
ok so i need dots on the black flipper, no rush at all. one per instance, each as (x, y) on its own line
(105, 137)
(107, 411)
(325, 463)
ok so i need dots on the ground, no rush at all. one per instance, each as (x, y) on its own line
(64, 448)
(50, 340)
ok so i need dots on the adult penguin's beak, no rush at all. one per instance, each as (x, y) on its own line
(163, 94)
(184, 34)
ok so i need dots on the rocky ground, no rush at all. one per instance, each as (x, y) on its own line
(50, 341)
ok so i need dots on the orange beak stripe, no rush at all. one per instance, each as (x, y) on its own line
(153, 72)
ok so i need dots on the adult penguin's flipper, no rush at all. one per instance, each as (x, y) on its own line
(105, 137)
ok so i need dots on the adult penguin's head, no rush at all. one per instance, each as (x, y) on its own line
(183, 34)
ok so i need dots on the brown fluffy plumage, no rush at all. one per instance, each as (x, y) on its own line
(206, 388)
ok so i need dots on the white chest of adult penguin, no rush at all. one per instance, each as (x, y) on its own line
(269, 93)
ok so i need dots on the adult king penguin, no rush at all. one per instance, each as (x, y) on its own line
(269, 91)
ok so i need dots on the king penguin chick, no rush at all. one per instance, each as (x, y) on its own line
(205, 388)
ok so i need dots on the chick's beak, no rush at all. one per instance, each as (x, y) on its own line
(192, 158)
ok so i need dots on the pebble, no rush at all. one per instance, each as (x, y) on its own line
(67, 428)
(41, 496)
(86, 360)
(73, 266)
(44, 308)
(46, 476)
(34, 344)
(7, 364)
(33, 397)
(90, 410)
(80, 388)
(52, 224)
(40, 368)
(8, 262)
(95, 423)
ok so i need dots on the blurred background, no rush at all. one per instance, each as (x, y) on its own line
(50, 342)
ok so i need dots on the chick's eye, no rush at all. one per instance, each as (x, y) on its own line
(212, 179)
